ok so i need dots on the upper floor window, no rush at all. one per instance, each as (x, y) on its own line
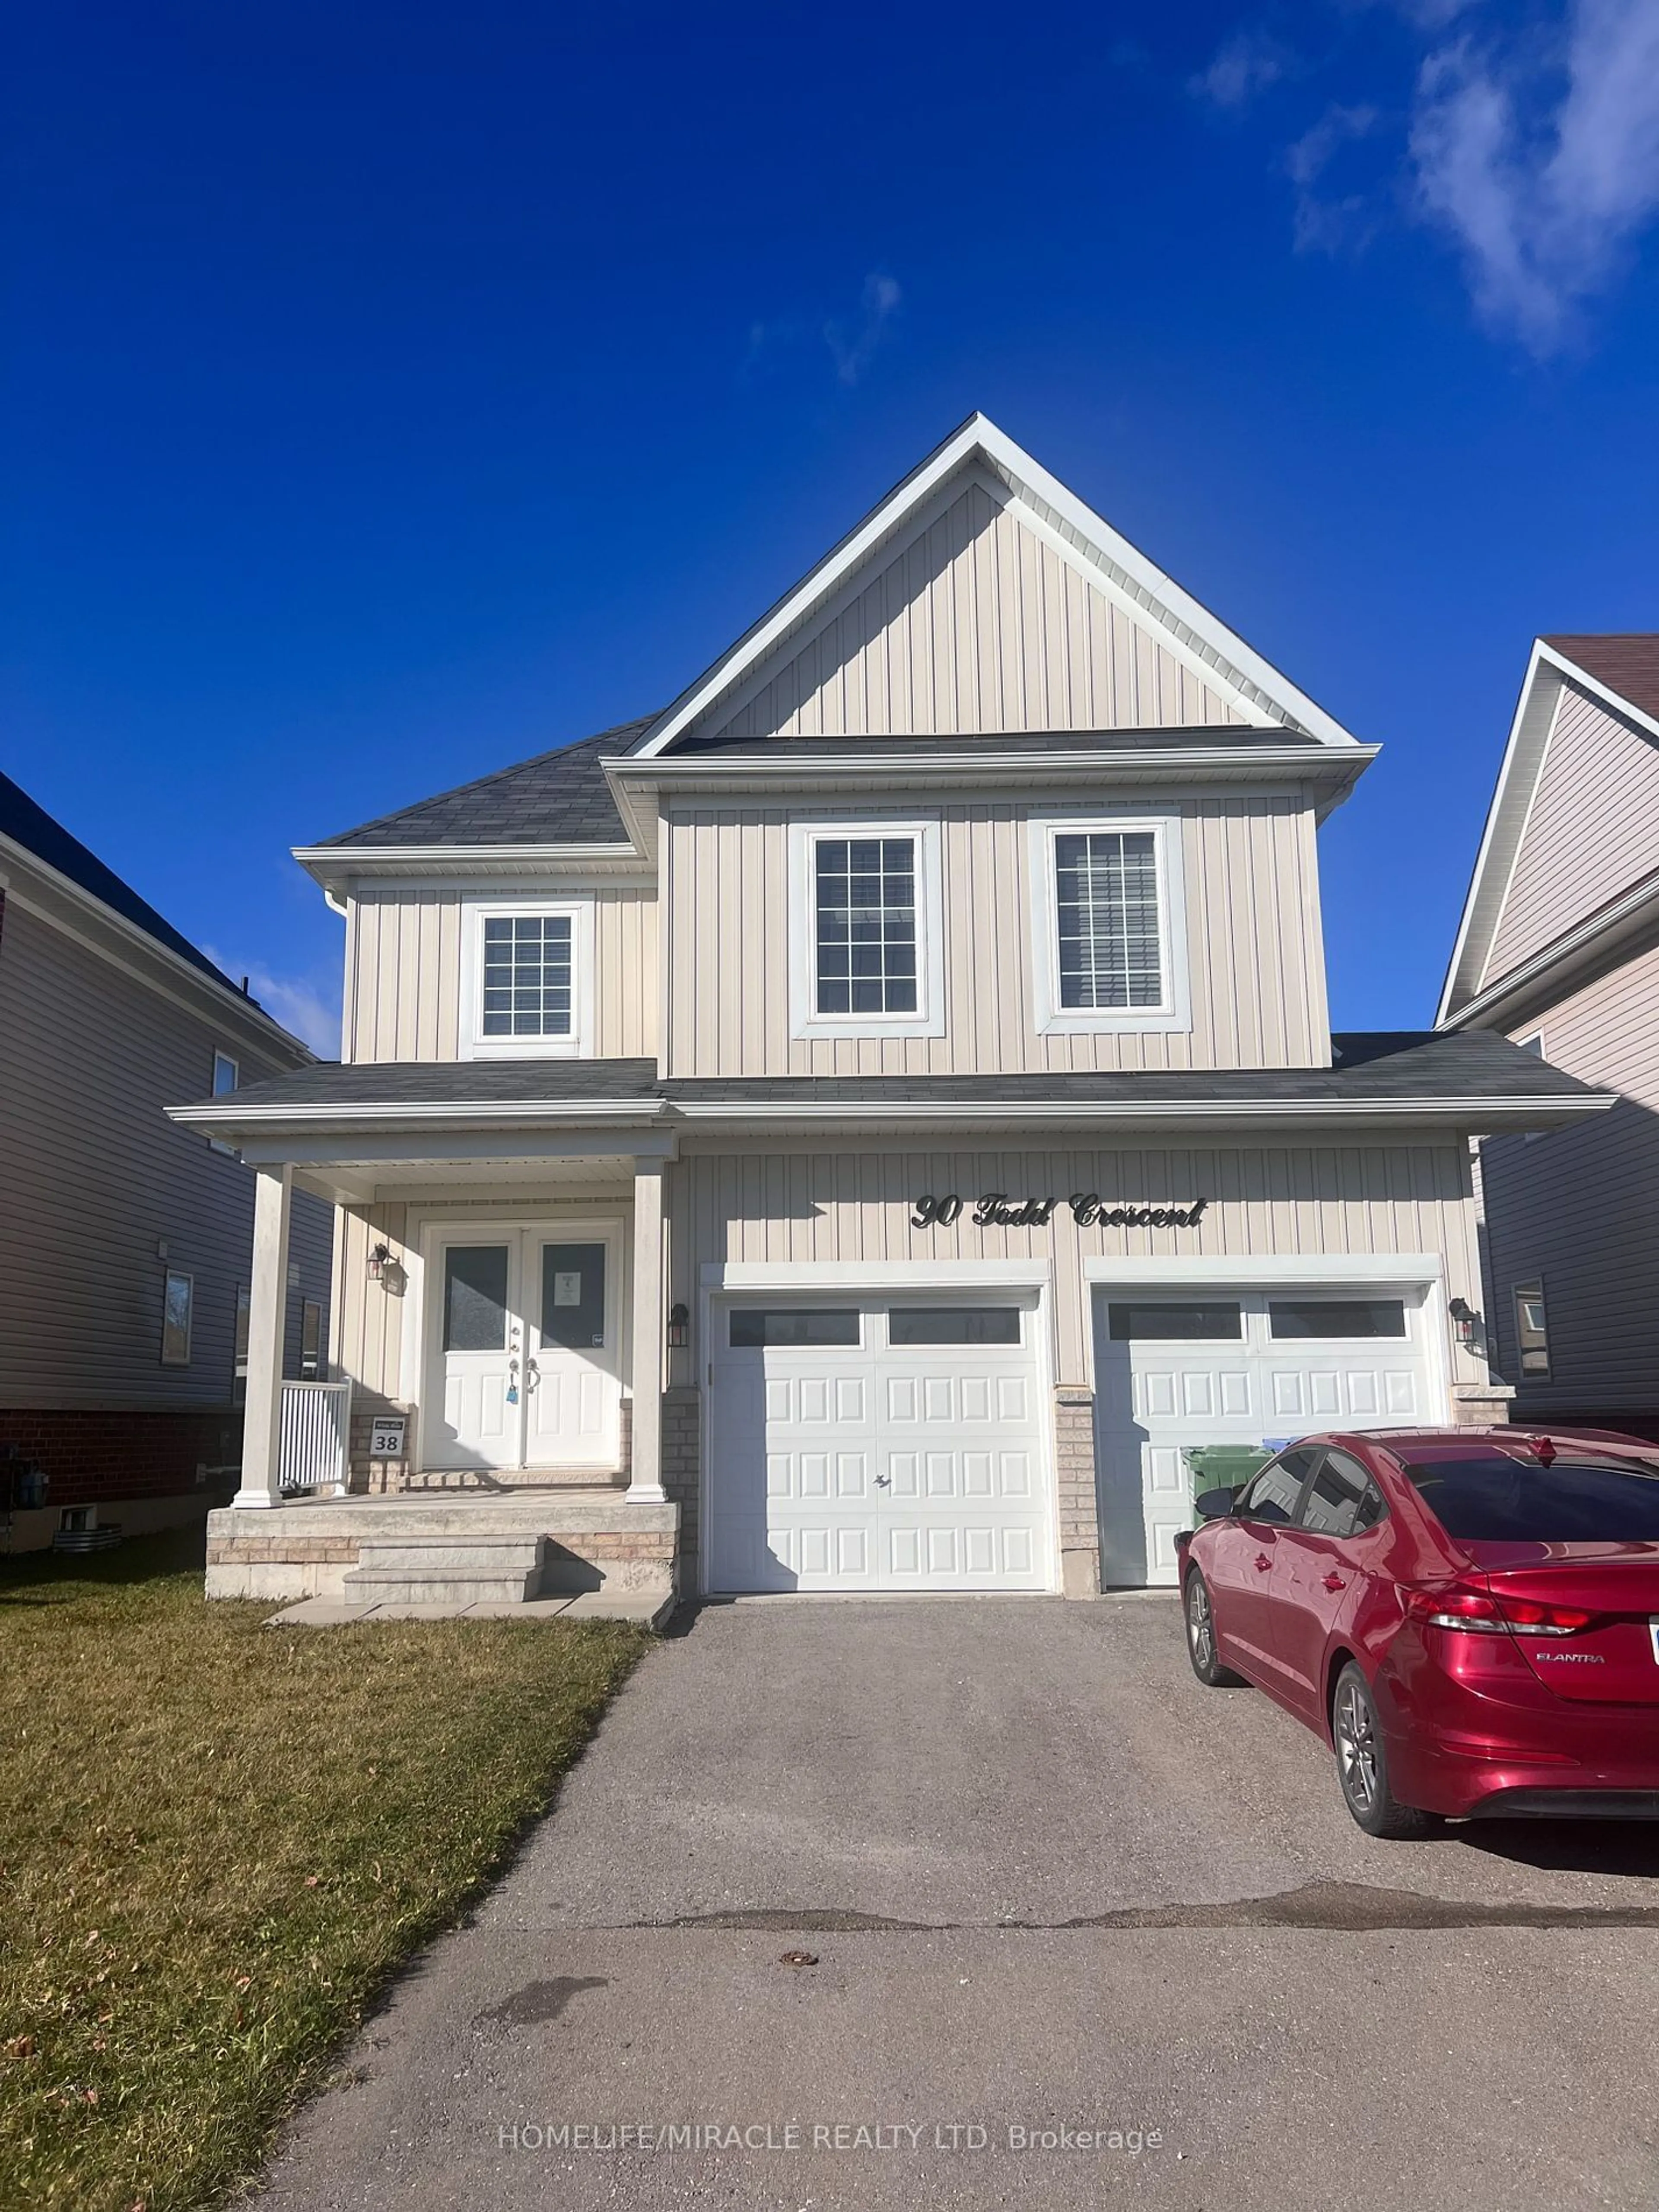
(527, 979)
(226, 1077)
(1108, 920)
(867, 949)
(1532, 1330)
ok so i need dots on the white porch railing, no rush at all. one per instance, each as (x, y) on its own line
(316, 1435)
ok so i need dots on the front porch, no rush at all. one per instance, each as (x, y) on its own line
(491, 1435)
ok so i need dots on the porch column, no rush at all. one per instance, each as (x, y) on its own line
(267, 1309)
(645, 1482)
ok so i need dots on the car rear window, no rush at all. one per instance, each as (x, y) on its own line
(1496, 1500)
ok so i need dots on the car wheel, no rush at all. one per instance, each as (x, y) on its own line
(1362, 1764)
(1201, 1637)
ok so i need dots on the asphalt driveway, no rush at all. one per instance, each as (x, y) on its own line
(1078, 1931)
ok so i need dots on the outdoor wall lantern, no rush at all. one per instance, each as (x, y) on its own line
(678, 1318)
(1462, 1314)
(379, 1257)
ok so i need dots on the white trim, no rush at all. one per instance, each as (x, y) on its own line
(928, 1018)
(1225, 656)
(783, 1275)
(421, 1110)
(1351, 1268)
(1586, 937)
(894, 763)
(364, 860)
(1484, 1113)
(1173, 1014)
(578, 1044)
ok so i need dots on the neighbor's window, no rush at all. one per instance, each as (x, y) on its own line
(1107, 908)
(227, 1075)
(177, 1294)
(311, 1341)
(1532, 1328)
(864, 899)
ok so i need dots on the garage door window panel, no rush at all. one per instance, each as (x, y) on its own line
(753, 1327)
(1148, 1321)
(1334, 1320)
(924, 1325)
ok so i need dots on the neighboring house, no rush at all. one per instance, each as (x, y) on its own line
(860, 1125)
(124, 1241)
(1559, 949)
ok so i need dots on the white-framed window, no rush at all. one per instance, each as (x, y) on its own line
(867, 934)
(1532, 1330)
(1109, 922)
(227, 1076)
(527, 979)
(178, 1295)
(311, 1340)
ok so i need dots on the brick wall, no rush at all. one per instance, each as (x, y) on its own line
(1079, 1514)
(95, 1458)
(682, 1431)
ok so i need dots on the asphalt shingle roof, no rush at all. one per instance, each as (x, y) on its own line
(1372, 1068)
(559, 798)
(1627, 661)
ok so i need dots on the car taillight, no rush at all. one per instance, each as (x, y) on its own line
(1478, 1611)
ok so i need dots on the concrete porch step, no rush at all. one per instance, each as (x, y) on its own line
(446, 1570)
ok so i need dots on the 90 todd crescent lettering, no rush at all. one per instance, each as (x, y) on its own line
(996, 1210)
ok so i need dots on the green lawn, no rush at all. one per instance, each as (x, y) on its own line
(217, 1840)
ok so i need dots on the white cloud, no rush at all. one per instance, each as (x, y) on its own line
(297, 1004)
(1325, 221)
(852, 351)
(1545, 199)
(1244, 65)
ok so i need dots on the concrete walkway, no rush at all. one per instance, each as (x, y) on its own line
(901, 1892)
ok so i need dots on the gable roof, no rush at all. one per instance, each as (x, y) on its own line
(558, 798)
(27, 824)
(1085, 540)
(1620, 672)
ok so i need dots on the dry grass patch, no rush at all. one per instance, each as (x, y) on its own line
(217, 1840)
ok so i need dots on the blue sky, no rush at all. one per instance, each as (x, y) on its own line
(392, 392)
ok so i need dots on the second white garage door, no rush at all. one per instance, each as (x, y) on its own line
(1175, 1369)
(876, 1445)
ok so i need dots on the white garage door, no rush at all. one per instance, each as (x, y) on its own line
(890, 1445)
(1228, 1367)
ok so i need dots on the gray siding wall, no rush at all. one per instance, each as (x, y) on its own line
(1580, 1208)
(92, 1175)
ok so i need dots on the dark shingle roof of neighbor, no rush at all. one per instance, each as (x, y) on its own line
(29, 825)
(559, 798)
(1374, 1068)
(562, 798)
(1627, 661)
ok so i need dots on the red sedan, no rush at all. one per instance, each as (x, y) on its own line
(1469, 1618)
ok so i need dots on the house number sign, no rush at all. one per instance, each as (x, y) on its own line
(996, 1210)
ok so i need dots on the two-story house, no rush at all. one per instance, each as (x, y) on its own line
(1559, 950)
(855, 1128)
(124, 1241)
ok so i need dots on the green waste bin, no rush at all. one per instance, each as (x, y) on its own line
(1222, 1466)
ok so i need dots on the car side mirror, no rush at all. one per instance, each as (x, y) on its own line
(1213, 1504)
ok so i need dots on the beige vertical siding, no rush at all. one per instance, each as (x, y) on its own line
(1255, 961)
(1593, 830)
(93, 1177)
(366, 1345)
(1577, 1208)
(404, 965)
(977, 625)
(855, 1204)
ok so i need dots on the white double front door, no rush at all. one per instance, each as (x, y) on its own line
(876, 1445)
(1178, 1368)
(522, 1367)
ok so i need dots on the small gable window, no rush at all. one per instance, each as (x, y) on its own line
(527, 980)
